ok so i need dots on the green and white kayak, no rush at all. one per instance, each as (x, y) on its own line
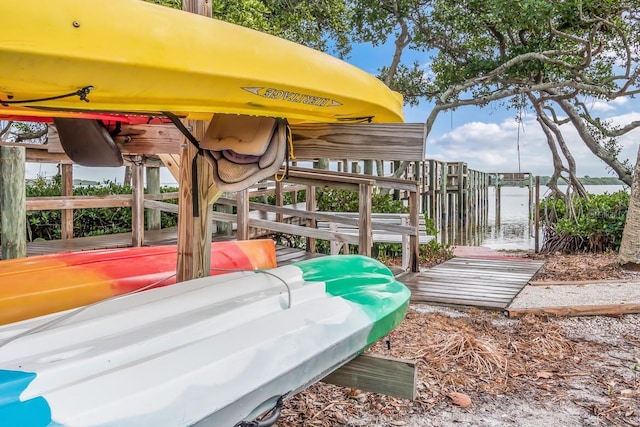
(211, 351)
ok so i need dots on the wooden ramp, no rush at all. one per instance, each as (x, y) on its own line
(485, 283)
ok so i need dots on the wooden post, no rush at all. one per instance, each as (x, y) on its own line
(414, 220)
(444, 212)
(137, 205)
(537, 216)
(13, 203)
(498, 197)
(311, 207)
(223, 227)
(153, 187)
(366, 238)
(368, 167)
(194, 228)
(66, 215)
(242, 200)
(280, 200)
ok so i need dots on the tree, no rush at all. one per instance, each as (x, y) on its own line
(322, 25)
(629, 254)
(546, 55)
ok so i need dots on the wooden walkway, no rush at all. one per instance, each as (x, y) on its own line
(484, 283)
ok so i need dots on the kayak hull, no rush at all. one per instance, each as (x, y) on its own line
(215, 351)
(40, 285)
(135, 57)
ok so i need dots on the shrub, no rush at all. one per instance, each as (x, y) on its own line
(584, 225)
(86, 222)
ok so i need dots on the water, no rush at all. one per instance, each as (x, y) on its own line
(514, 231)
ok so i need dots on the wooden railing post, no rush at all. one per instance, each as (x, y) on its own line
(154, 218)
(311, 207)
(137, 204)
(66, 215)
(242, 199)
(414, 221)
(366, 239)
(280, 199)
(13, 202)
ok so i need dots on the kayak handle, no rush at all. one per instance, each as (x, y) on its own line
(267, 422)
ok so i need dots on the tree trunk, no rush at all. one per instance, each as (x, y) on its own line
(629, 255)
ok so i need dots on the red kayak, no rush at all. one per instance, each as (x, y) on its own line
(35, 286)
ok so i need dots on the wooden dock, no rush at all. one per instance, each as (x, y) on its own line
(485, 283)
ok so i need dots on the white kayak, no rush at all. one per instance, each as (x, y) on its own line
(212, 351)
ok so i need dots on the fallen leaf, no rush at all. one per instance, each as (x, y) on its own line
(398, 423)
(544, 374)
(460, 399)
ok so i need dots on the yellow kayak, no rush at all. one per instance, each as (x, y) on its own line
(129, 56)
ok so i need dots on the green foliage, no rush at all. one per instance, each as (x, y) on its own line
(86, 222)
(585, 225)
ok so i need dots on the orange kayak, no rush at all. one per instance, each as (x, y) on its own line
(40, 285)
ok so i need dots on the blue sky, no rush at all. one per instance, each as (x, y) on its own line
(486, 138)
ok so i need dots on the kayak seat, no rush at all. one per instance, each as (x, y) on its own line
(243, 149)
(88, 143)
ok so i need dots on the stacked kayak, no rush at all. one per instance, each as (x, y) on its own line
(31, 287)
(213, 351)
(133, 57)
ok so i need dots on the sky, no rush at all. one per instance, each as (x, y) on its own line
(486, 138)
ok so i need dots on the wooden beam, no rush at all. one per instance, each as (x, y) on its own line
(376, 141)
(13, 203)
(577, 310)
(66, 227)
(377, 374)
(134, 139)
(310, 141)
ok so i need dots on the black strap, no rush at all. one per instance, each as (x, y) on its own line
(80, 93)
(194, 162)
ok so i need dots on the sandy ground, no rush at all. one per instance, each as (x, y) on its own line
(535, 371)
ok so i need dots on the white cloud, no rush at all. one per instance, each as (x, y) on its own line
(492, 147)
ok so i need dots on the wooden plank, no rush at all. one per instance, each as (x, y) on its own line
(66, 216)
(302, 231)
(134, 139)
(577, 310)
(380, 181)
(360, 141)
(13, 216)
(78, 202)
(579, 282)
(378, 374)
